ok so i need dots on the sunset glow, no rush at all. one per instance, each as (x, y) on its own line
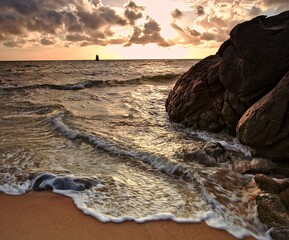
(39, 30)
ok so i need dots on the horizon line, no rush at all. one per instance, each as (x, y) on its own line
(106, 59)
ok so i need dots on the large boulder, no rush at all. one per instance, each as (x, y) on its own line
(243, 77)
(257, 58)
(197, 97)
(265, 125)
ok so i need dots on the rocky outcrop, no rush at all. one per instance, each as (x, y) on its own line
(265, 125)
(272, 205)
(242, 89)
(196, 100)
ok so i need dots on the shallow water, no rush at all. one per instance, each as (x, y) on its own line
(98, 132)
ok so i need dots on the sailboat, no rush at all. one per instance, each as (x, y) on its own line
(96, 58)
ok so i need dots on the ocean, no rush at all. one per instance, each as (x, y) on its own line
(98, 133)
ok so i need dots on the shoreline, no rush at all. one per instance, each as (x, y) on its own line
(46, 215)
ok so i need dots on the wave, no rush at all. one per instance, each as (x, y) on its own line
(84, 190)
(229, 143)
(160, 163)
(155, 79)
(212, 188)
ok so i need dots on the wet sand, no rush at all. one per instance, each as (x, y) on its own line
(47, 216)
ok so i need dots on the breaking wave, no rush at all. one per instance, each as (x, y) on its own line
(156, 79)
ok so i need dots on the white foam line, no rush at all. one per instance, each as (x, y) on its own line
(234, 145)
(158, 162)
(161, 216)
(15, 189)
(216, 220)
(213, 218)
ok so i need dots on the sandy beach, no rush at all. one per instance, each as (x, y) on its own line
(45, 215)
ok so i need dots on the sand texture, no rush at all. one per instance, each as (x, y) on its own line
(45, 215)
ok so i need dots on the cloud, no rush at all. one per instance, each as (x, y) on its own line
(77, 37)
(186, 36)
(200, 10)
(22, 7)
(126, 22)
(150, 33)
(46, 41)
(216, 18)
(11, 25)
(14, 43)
(254, 11)
(46, 22)
(177, 14)
(101, 17)
(57, 18)
(275, 2)
(133, 12)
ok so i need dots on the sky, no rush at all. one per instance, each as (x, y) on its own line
(122, 29)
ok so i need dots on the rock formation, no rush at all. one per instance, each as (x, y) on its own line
(242, 89)
(264, 126)
(273, 205)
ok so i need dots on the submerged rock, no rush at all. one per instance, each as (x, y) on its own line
(213, 154)
(52, 182)
(243, 89)
(267, 184)
(273, 205)
(272, 212)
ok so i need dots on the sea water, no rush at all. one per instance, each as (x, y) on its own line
(98, 133)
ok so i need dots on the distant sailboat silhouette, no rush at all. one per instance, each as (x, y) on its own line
(97, 58)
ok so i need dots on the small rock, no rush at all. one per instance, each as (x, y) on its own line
(211, 155)
(271, 210)
(267, 184)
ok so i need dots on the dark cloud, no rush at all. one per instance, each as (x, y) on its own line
(110, 17)
(149, 34)
(23, 7)
(151, 27)
(85, 18)
(77, 37)
(97, 19)
(200, 10)
(177, 14)
(14, 43)
(208, 36)
(133, 12)
(255, 11)
(71, 22)
(276, 2)
(47, 22)
(46, 41)
(10, 24)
